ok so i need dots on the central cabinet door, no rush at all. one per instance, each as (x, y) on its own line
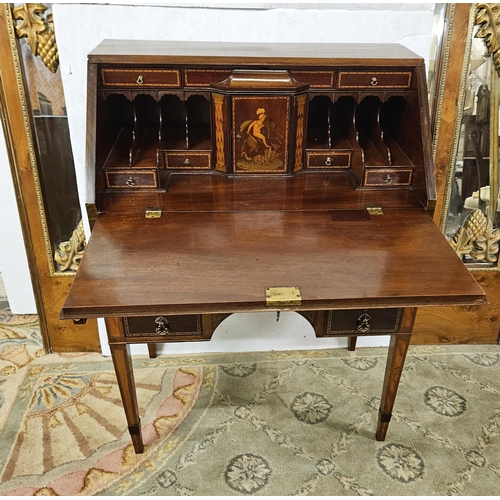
(259, 122)
(260, 133)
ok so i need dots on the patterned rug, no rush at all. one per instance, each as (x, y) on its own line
(276, 423)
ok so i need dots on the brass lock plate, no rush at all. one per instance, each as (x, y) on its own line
(374, 209)
(283, 296)
(153, 212)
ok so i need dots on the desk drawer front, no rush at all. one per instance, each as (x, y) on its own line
(204, 77)
(315, 79)
(330, 159)
(374, 79)
(363, 321)
(132, 179)
(188, 161)
(140, 77)
(167, 326)
(387, 177)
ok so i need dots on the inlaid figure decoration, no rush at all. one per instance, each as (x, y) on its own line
(261, 128)
(261, 145)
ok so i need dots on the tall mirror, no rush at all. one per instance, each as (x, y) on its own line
(35, 127)
(471, 220)
(39, 58)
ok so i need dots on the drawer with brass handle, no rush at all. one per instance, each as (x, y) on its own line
(374, 79)
(329, 159)
(188, 161)
(168, 326)
(140, 77)
(363, 321)
(387, 177)
(132, 179)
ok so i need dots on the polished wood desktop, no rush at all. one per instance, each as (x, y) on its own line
(238, 178)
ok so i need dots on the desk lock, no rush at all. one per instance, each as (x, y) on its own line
(162, 325)
(363, 322)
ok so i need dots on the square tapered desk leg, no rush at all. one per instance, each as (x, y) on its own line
(122, 361)
(394, 368)
(351, 342)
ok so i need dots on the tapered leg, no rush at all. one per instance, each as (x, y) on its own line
(152, 351)
(125, 376)
(351, 343)
(395, 363)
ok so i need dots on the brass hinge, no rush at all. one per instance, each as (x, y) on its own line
(153, 212)
(374, 209)
(283, 296)
(92, 214)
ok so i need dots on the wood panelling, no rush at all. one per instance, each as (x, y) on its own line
(463, 324)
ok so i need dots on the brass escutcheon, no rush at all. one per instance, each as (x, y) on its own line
(162, 325)
(363, 323)
(374, 81)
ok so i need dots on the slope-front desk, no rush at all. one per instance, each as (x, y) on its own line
(236, 178)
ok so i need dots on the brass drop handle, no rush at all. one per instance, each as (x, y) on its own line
(186, 161)
(374, 81)
(130, 181)
(388, 179)
(328, 161)
(162, 325)
(140, 79)
(363, 323)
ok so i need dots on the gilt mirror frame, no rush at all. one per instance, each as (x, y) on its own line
(475, 235)
(27, 34)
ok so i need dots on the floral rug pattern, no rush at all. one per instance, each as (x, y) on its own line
(272, 423)
(275, 423)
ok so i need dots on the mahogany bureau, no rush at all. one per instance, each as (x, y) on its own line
(260, 177)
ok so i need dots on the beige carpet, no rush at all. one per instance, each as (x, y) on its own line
(275, 423)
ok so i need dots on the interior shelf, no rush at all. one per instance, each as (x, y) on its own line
(369, 126)
(139, 130)
(136, 130)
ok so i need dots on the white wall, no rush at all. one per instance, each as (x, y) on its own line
(13, 260)
(80, 27)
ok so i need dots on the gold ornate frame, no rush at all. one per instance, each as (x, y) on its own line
(476, 237)
(50, 285)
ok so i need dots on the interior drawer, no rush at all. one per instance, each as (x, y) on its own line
(315, 79)
(164, 326)
(371, 79)
(387, 177)
(363, 321)
(328, 159)
(140, 77)
(204, 77)
(195, 161)
(132, 179)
